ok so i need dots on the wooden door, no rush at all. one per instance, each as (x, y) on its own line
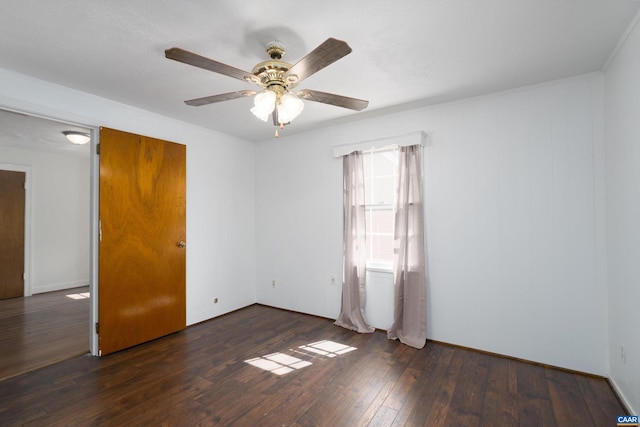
(141, 278)
(12, 198)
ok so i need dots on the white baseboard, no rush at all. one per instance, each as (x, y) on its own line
(625, 402)
(204, 315)
(50, 287)
(201, 316)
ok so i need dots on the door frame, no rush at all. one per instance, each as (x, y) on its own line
(27, 221)
(94, 130)
(94, 238)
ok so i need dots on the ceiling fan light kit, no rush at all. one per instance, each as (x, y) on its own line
(277, 80)
(289, 107)
(264, 104)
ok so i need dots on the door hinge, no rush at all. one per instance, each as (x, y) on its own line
(97, 328)
(98, 148)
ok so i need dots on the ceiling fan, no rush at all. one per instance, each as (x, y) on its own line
(277, 79)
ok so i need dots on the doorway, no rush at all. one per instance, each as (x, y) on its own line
(57, 225)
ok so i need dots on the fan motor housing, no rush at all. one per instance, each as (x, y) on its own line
(273, 73)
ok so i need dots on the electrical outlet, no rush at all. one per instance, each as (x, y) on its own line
(273, 283)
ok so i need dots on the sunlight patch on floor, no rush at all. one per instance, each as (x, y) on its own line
(281, 364)
(278, 363)
(83, 295)
(327, 348)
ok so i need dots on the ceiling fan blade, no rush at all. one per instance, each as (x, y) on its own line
(219, 98)
(332, 99)
(325, 54)
(196, 60)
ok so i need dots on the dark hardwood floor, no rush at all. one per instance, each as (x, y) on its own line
(42, 329)
(200, 376)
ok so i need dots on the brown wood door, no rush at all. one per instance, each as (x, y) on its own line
(141, 278)
(12, 198)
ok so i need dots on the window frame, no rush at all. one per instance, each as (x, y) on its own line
(380, 265)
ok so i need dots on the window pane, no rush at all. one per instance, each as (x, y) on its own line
(381, 249)
(368, 190)
(381, 221)
(384, 163)
(382, 190)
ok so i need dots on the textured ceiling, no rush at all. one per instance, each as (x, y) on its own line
(20, 131)
(405, 53)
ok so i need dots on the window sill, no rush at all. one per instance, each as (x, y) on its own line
(380, 269)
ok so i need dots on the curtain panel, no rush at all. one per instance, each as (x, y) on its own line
(355, 250)
(409, 270)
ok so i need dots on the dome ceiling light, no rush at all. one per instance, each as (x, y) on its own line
(78, 138)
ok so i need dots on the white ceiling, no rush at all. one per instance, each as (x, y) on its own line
(25, 132)
(405, 53)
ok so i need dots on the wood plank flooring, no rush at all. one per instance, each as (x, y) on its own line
(42, 329)
(199, 377)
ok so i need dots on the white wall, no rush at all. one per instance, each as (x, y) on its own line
(220, 200)
(59, 221)
(622, 107)
(515, 214)
(515, 217)
(299, 224)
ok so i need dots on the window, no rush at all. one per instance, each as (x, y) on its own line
(380, 170)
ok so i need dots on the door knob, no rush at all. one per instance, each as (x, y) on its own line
(181, 244)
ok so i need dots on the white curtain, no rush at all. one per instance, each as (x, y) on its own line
(409, 270)
(355, 250)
